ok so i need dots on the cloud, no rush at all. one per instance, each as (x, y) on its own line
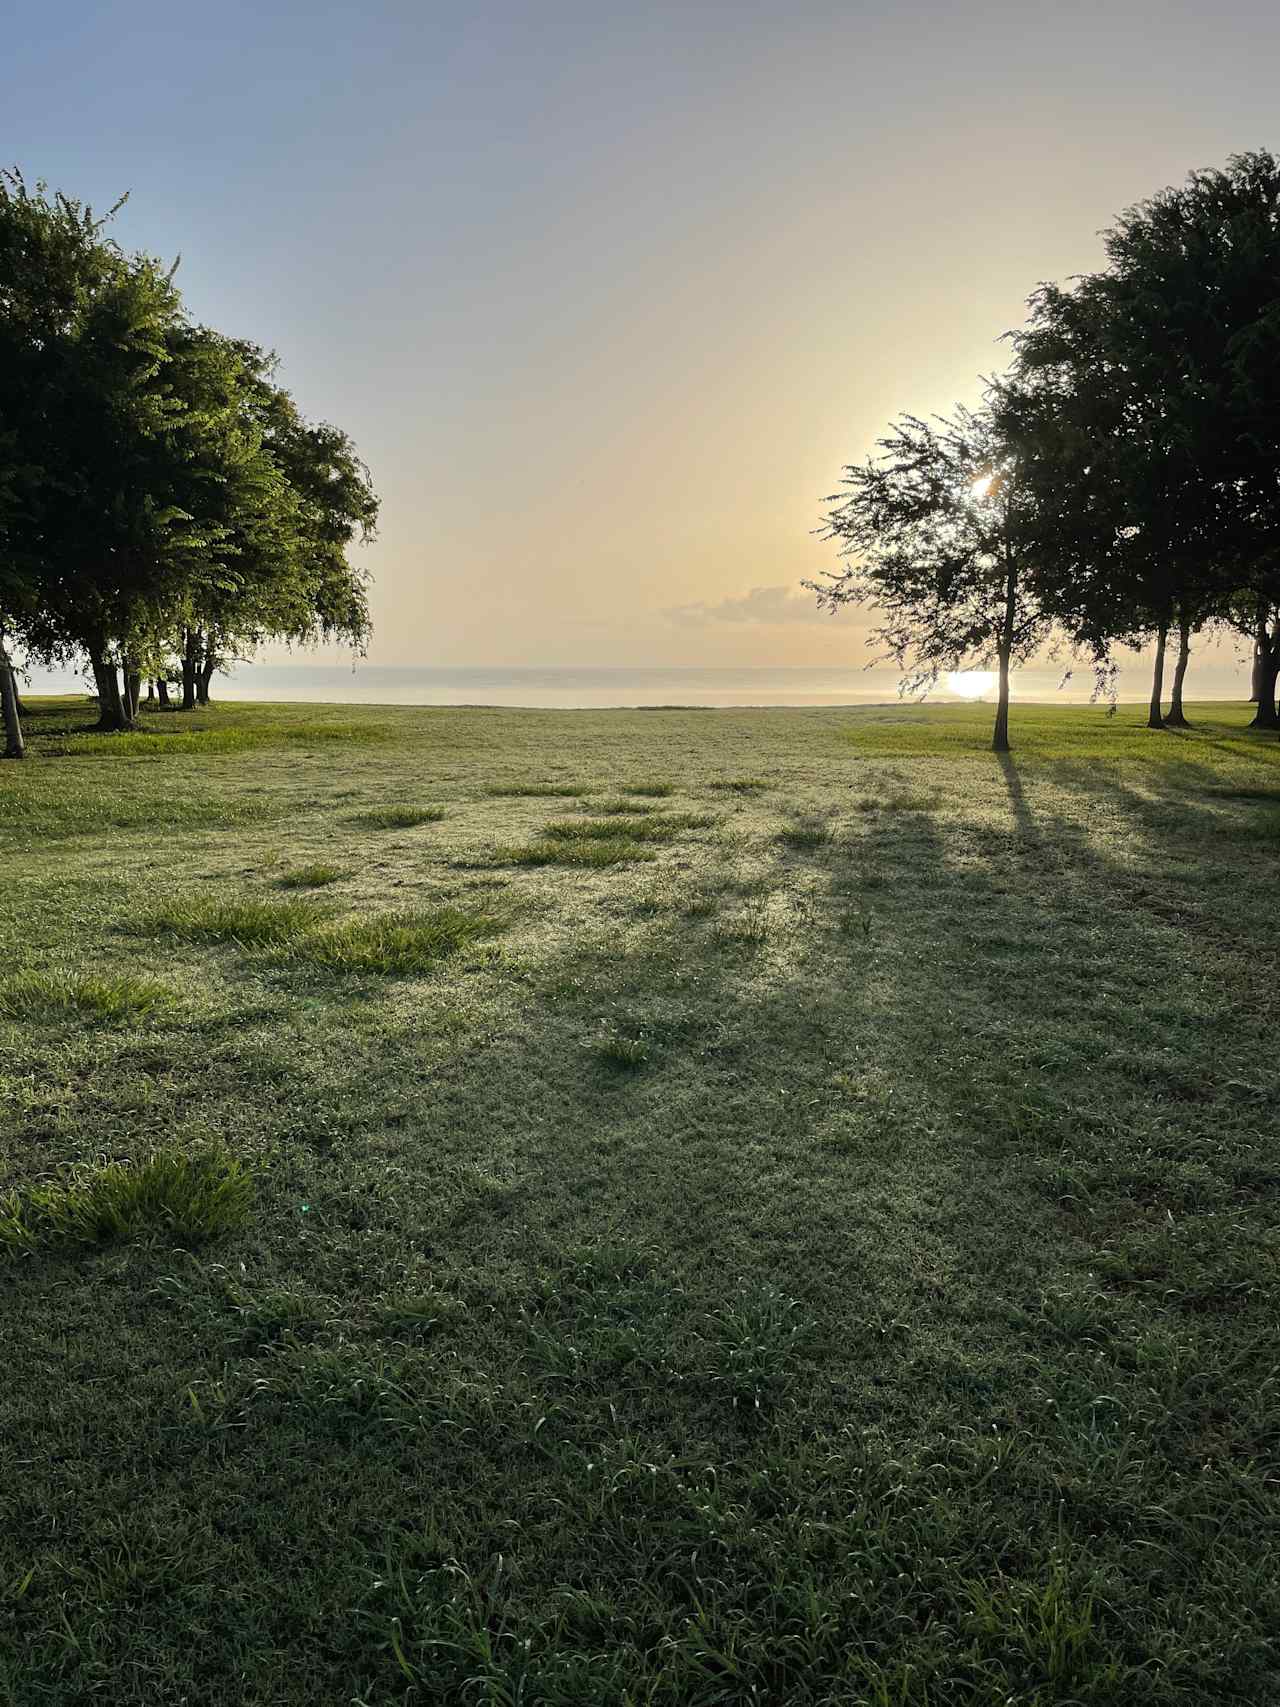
(766, 606)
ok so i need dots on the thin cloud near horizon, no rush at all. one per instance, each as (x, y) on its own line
(768, 606)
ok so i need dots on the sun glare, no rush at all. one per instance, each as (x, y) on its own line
(971, 684)
(981, 486)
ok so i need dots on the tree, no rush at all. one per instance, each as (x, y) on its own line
(292, 578)
(941, 536)
(52, 259)
(95, 538)
(1164, 368)
(15, 746)
(158, 491)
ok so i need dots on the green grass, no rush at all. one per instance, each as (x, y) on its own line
(807, 835)
(596, 843)
(592, 852)
(399, 817)
(664, 827)
(252, 922)
(316, 876)
(624, 1053)
(537, 791)
(41, 995)
(654, 790)
(184, 1198)
(164, 734)
(620, 806)
(393, 943)
(843, 1273)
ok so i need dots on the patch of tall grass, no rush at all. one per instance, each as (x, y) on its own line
(399, 817)
(118, 995)
(394, 943)
(252, 922)
(184, 1197)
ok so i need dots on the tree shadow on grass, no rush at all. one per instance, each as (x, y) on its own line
(830, 1255)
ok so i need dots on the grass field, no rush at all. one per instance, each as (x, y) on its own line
(639, 1207)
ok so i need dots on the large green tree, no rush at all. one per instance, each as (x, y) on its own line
(55, 264)
(1164, 368)
(98, 540)
(158, 490)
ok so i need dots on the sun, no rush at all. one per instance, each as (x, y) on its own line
(980, 487)
(971, 684)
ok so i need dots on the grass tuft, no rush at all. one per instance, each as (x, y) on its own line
(740, 785)
(399, 817)
(653, 790)
(123, 995)
(188, 1198)
(311, 877)
(662, 827)
(252, 923)
(624, 1054)
(394, 943)
(616, 850)
(807, 836)
(538, 791)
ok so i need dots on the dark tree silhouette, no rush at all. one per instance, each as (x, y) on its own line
(940, 536)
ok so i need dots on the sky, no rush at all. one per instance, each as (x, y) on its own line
(608, 293)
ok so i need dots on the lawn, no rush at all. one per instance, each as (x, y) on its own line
(531, 1208)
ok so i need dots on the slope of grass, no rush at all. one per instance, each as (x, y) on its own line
(797, 1268)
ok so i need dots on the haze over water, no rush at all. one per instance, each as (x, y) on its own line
(1217, 674)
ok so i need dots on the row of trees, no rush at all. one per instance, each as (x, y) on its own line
(1120, 484)
(164, 506)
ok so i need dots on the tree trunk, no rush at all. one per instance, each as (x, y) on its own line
(14, 746)
(1261, 647)
(162, 693)
(112, 715)
(1265, 717)
(191, 651)
(1004, 651)
(1176, 718)
(1155, 716)
(132, 689)
(205, 675)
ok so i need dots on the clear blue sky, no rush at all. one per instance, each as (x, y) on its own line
(608, 293)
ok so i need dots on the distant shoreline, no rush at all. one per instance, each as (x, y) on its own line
(626, 688)
(953, 703)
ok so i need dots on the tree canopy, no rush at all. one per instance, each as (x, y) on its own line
(939, 533)
(161, 496)
(1136, 449)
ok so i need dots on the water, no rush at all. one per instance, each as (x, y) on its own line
(377, 684)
